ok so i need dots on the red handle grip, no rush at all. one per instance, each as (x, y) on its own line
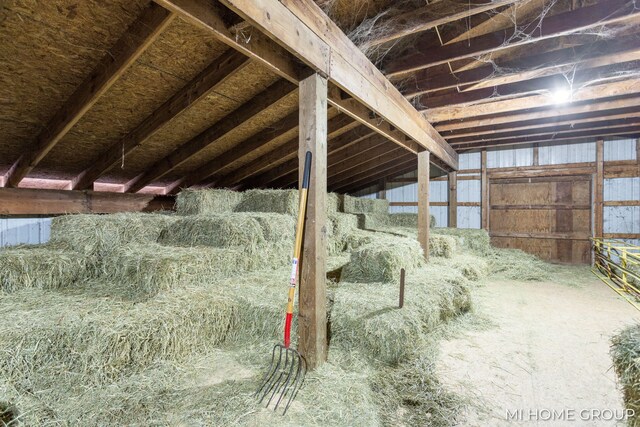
(287, 330)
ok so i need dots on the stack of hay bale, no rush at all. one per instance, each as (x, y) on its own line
(124, 319)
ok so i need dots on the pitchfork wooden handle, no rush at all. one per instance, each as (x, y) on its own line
(297, 250)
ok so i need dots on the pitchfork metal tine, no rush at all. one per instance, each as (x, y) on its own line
(285, 386)
(298, 382)
(269, 382)
(269, 371)
(276, 384)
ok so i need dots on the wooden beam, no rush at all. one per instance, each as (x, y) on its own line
(569, 110)
(399, 168)
(428, 17)
(603, 13)
(598, 210)
(27, 201)
(279, 155)
(289, 167)
(207, 15)
(557, 130)
(615, 114)
(484, 191)
(551, 137)
(372, 170)
(382, 189)
(152, 21)
(463, 111)
(344, 159)
(312, 325)
(303, 29)
(453, 200)
(424, 219)
(536, 154)
(598, 54)
(240, 115)
(203, 84)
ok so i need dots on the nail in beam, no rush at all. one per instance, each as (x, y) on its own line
(312, 326)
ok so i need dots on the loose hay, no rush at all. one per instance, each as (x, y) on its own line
(208, 201)
(474, 240)
(44, 267)
(625, 351)
(442, 246)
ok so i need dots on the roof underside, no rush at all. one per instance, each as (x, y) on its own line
(485, 74)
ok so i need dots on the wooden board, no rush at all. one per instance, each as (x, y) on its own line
(549, 217)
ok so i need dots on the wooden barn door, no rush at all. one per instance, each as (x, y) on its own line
(549, 216)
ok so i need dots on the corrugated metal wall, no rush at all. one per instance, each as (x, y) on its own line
(617, 219)
(16, 231)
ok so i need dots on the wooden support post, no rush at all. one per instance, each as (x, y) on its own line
(484, 192)
(312, 327)
(536, 155)
(598, 214)
(424, 218)
(453, 200)
(382, 189)
(638, 151)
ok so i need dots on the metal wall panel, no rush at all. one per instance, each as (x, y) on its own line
(619, 149)
(567, 153)
(16, 231)
(469, 161)
(440, 213)
(468, 216)
(621, 189)
(622, 219)
(510, 158)
(469, 190)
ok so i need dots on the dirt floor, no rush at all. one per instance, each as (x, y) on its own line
(545, 347)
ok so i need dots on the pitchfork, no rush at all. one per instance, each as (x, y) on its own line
(288, 368)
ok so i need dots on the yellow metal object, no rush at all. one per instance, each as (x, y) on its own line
(617, 264)
(297, 249)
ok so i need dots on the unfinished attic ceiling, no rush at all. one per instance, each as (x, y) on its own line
(184, 109)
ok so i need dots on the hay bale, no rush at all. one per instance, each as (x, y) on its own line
(220, 231)
(334, 203)
(515, 264)
(365, 317)
(96, 340)
(44, 267)
(442, 246)
(359, 205)
(100, 234)
(207, 201)
(276, 201)
(382, 258)
(141, 271)
(407, 220)
(473, 240)
(625, 352)
(472, 267)
(339, 228)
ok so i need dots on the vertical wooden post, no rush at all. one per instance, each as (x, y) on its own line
(382, 189)
(312, 325)
(424, 218)
(598, 214)
(536, 155)
(484, 189)
(638, 151)
(453, 200)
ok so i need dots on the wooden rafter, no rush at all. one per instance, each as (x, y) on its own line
(379, 162)
(603, 13)
(152, 21)
(245, 112)
(551, 137)
(204, 83)
(541, 113)
(589, 93)
(558, 120)
(397, 168)
(336, 126)
(587, 56)
(431, 16)
(290, 166)
(303, 29)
